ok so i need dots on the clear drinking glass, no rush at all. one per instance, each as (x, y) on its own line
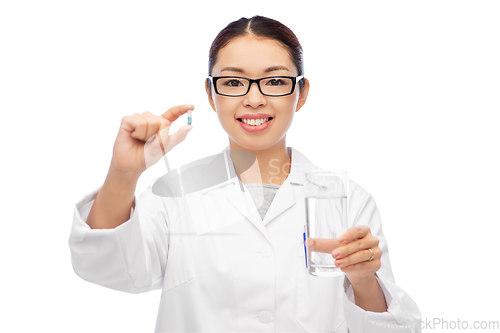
(326, 212)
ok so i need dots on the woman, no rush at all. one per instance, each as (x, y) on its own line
(225, 263)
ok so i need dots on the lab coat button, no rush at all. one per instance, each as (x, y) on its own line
(264, 317)
(265, 253)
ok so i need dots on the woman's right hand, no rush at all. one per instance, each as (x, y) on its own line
(137, 146)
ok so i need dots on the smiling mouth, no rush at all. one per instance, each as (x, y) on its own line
(254, 122)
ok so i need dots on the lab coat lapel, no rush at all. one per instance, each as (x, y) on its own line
(287, 195)
(283, 200)
(240, 198)
(243, 202)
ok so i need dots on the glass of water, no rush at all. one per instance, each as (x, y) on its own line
(326, 212)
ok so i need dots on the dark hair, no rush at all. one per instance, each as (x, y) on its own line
(259, 26)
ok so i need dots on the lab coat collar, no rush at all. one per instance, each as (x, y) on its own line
(300, 164)
(285, 197)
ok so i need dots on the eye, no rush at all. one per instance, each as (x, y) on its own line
(275, 82)
(232, 83)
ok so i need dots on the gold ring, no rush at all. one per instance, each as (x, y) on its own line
(371, 258)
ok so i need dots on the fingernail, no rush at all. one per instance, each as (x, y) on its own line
(341, 239)
(339, 262)
(336, 253)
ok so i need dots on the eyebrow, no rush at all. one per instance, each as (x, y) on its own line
(232, 69)
(267, 70)
(275, 68)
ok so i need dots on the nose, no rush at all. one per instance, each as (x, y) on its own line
(254, 98)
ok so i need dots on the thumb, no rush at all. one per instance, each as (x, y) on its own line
(174, 139)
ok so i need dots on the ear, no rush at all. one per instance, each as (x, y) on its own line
(208, 89)
(303, 95)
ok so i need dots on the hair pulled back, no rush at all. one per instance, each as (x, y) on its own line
(258, 26)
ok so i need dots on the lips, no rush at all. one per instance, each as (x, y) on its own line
(255, 128)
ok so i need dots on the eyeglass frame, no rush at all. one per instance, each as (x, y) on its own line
(295, 80)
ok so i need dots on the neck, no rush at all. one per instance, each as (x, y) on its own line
(267, 166)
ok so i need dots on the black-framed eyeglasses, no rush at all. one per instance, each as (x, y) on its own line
(236, 86)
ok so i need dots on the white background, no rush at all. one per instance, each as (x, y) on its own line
(404, 95)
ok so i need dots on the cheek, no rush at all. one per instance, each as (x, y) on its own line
(225, 108)
(224, 103)
(286, 105)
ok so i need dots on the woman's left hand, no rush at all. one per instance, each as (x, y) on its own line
(353, 253)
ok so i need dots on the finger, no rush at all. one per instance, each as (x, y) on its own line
(355, 246)
(153, 123)
(323, 245)
(357, 232)
(128, 124)
(152, 151)
(154, 146)
(144, 125)
(175, 112)
(135, 125)
(367, 266)
(158, 128)
(157, 141)
(359, 257)
(163, 134)
(176, 138)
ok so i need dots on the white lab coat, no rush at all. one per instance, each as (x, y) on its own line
(222, 269)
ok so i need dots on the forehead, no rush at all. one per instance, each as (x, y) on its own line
(253, 55)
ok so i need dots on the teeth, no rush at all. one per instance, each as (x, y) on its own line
(254, 122)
